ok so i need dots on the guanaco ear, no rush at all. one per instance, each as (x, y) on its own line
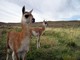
(31, 11)
(23, 9)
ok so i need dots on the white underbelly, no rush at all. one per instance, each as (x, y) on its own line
(35, 33)
(24, 45)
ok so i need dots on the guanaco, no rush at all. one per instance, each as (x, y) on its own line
(38, 31)
(19, 42)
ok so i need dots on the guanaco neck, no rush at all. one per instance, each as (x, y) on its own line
(25, 28)
(43, 27)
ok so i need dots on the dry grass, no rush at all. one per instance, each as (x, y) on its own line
(56, 44)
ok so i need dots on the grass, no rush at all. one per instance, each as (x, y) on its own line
(56, 44)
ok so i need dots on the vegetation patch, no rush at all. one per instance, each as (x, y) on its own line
(56, 44)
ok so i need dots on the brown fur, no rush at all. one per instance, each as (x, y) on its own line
(37, 29)
(17, 37)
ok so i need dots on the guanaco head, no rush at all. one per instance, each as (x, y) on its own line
(45, 23)
(27, 17)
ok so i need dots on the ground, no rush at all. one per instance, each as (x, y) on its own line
(56, 44)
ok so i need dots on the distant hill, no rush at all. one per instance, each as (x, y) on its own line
(50, 24)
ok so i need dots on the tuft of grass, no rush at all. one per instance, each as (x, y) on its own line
(3, 45)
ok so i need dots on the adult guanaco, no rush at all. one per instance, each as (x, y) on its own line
(19, 42)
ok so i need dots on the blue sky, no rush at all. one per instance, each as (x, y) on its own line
(50, 10)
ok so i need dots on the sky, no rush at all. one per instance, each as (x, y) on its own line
(50, 10)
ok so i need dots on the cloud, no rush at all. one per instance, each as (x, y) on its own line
(9, 13)
(54, 10)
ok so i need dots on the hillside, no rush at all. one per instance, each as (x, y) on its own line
(60, 41)
(50, 24)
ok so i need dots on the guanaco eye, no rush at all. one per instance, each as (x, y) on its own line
(26, 16)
